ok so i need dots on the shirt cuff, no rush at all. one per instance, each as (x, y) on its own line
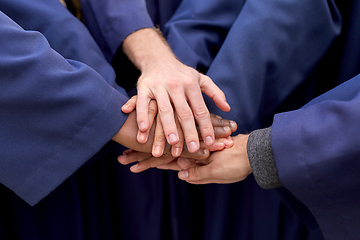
(262, 160)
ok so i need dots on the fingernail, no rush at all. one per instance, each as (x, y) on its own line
(219, 145)
(158, 151)
(227, 128)
(142, 137)
(142, 126)
(172, 138)
(209, 140)
(176, 152)
(183, 174)
(228, 142)
(183, 163)
(127, 151)
(233, 124)
(193, 147)
(206, 151)
(134, 167)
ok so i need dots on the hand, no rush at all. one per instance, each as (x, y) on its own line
(222, 129)
(127, 135)
(167, 161)
(169, 81)
(225, 166)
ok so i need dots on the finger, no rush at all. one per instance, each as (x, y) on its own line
(218, 121)
(202, 153)
(167, 117)
(201, 113)
(178, 147)
(222, 132)
(130, 156)
(214, 92)
(159, 139)
(170, 166)
(185, 163)
(220, 144)
(229, 142)
(142, 137)
(151, 162)
(130, 105)
(197, 173)
(187, 121)
(142, 110)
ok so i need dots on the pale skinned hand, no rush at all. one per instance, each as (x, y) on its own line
(226, 166)
(175, 86)
(222, 129)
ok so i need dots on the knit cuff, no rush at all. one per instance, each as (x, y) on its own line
(262, 159)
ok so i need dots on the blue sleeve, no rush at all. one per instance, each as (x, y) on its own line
(65, 33)
(111, 21)
(198, 28)
(316, 151)
(269, 51)
(55, 114)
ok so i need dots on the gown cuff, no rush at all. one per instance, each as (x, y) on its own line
(262, 160)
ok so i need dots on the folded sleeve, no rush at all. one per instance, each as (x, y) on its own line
(55, 113)
(316, 150)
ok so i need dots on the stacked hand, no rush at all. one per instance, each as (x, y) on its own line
(222, 128)
(170, 111)
(175, 87)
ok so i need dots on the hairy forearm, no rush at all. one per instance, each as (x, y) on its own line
(146, 47)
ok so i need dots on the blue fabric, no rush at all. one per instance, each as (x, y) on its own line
(198, 28)
(95, 196)
(316, 150)
(111, 21)
(55, 114)
(276, 56)
(161, 11)
(102, 200)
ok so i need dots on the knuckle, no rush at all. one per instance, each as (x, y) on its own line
(165, 109)
(174, 84)
(152, 109)
(221, 122)
(202, 113)
(184, 114)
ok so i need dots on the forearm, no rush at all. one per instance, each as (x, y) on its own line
(146, 48)
(127, 135)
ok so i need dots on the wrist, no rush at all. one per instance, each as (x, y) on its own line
(147, 48)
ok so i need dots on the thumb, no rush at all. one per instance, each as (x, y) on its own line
(199, 173)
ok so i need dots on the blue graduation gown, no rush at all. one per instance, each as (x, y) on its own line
(316, 151)
(57, 115)
(58, 112)
(276, 56)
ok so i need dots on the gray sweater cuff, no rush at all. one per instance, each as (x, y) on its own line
(262, 160)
